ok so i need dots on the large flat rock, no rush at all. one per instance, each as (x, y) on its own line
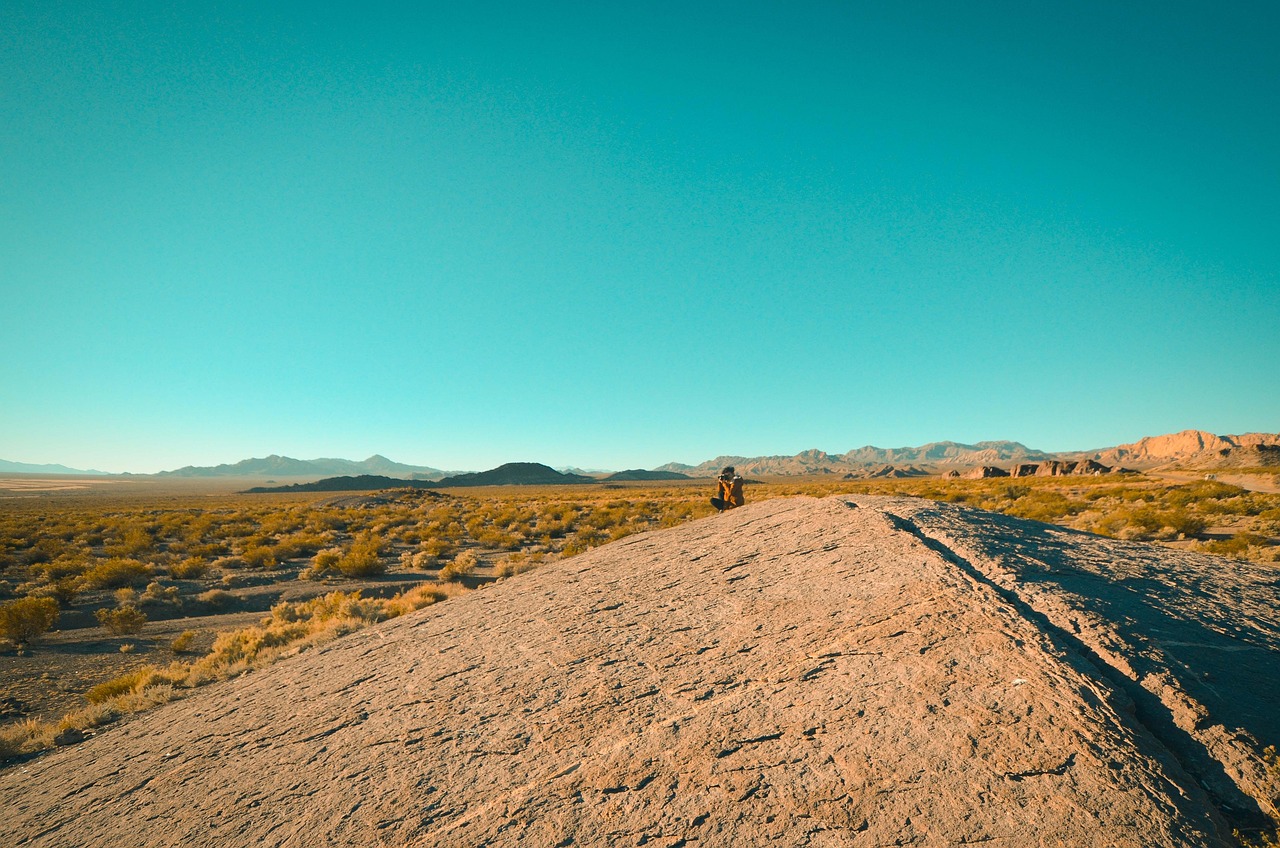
(846, 671)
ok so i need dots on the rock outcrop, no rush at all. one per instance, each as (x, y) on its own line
(845, 671)
(984, 471)
(1195, 448)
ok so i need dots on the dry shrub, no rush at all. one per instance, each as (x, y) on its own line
(324, 562)
(123, 621)
(182, 642)
(419, 597)
(158, 593)
(115, 574)
(26, 618)
(290, 625)
(421, 560)
(517, 564)
(363, 559)
(191, 568)
(218, 598)
(259, 556)
(463, 564)
(28, 736)
(136, 683)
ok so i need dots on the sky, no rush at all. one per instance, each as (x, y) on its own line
(618, 235)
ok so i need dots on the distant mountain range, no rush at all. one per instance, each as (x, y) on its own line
(940, 454)
(1190, 448)
(283, 466)
(8, 467)
(1187, 449)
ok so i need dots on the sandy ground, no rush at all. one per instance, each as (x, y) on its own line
(846, 671)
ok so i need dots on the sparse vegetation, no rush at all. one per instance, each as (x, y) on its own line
(123, 563)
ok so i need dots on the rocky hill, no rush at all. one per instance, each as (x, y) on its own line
(634, 474)
(1194, 448)
(846, 671)
(515, 474)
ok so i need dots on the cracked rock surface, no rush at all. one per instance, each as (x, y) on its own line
(854, 670)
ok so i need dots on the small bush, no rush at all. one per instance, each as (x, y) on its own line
(191, 568)
(259, 556)
(26, 618)
(123, 621)
(516, 564)
(324, 562)
(26, 737)
(363, 559)
(463, 564)
(217, 598)
(182, 643)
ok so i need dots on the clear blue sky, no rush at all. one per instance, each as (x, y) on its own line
(608, 235)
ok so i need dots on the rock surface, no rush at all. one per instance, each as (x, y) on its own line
(1197, 448)
(845, 671)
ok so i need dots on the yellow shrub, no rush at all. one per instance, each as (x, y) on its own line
(116, 573)
(26, 618)
(124, 621)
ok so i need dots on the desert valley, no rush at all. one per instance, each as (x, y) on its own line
(949, 644)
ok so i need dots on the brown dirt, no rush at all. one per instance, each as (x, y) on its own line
(845, 671)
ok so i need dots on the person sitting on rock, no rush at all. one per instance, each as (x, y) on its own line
(730, 492)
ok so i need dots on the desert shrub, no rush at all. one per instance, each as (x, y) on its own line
(191, 568)
(418, 559)
(299, 545)
(1237, 546)
(116, 573)
(363, 559)
(324, 562)
(122, 621)
(133, 542)
(1183, 523)
(217, 598)
(497, 539)
(135, 682)
(182, 643)
(28, 736)
(417, 598)
(290, 624)
(27, 618)
(259, 556)
(1043, 506)
(437, 547)
(158, 593)
(517, 564)
(463, 564)
(208, 550)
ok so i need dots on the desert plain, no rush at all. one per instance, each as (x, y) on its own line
(844, 662)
